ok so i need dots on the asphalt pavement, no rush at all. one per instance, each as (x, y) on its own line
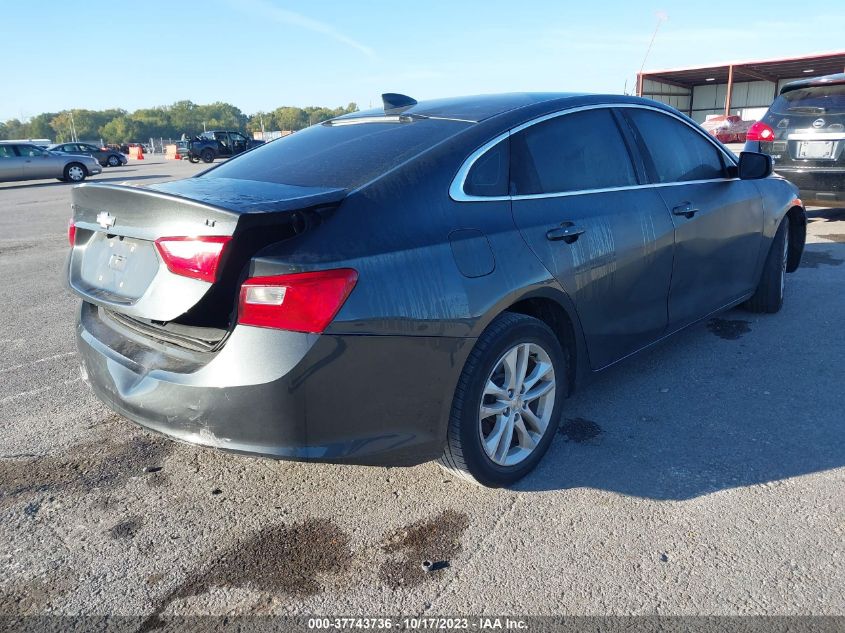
(704, 476)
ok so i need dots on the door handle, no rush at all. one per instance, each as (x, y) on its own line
(685, 209)
(567, 231)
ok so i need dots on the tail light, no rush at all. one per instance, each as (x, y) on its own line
(195, 257)
(301, 302)
(760, 132)
(71, 232)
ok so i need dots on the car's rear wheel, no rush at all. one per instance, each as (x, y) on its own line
(507, 403)
(769, 294)
(207, 156)
(113, 161)
(75, 172)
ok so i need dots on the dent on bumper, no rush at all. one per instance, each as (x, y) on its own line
(356, 399)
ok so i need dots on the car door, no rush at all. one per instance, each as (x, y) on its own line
(718, 218)
(239, 142)
(578, 201)
(223, 145)
(90, 150)
(11, 165)
(39, 163)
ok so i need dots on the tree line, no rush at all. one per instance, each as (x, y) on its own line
(183, 117)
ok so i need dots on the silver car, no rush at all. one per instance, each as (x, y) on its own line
(25, 161)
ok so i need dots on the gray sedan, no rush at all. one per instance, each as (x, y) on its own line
(104, 156)
(25, 161)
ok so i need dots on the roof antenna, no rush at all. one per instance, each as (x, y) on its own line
(394, 103)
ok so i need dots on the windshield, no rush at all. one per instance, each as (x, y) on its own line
(812, 100)
(344, 156)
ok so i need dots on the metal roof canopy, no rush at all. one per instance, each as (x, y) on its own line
(772, 70)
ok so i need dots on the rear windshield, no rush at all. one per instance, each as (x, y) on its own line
(812, 100)
(344, 156)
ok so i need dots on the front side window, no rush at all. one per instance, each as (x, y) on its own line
(30, 150)
(678, 153)
(6, 151)
(574, 152)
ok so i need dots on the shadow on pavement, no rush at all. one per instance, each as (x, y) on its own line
(703, 412)
(835, 214)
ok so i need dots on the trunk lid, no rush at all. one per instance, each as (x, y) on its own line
(115, 263)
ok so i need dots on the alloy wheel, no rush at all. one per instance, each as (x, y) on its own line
(517, 404)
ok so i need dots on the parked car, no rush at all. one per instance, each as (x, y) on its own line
(804, 132)
(105, 156)
(25, 161)
(728, 129)
(219, 143)
(427, 281)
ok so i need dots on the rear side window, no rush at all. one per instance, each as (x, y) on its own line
(7, 151)
(344, 156)
(677, 152)
(811, 100)
(573, 152)
(489, 174)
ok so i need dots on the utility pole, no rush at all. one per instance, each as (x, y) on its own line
(73, 136)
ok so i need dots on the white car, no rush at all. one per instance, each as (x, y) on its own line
(25, 161)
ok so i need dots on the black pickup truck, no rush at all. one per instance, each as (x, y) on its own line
(218, 143)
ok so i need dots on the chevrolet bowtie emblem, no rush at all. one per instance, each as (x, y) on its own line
(104, 219)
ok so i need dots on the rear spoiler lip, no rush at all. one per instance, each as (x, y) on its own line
(134, 189)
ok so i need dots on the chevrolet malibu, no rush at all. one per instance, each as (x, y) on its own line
(423, 281)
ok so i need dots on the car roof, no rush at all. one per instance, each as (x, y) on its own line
(825, 80)
(473, 108)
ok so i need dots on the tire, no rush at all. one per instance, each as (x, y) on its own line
(75, 172)
(113, 161)
(207, 156)
(193, 158)
(768, 297)
(507, 461)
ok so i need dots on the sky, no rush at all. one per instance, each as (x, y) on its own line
(262, 54)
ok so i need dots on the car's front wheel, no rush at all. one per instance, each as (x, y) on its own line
(507, 403)
(113, 161)
(75, 172)
(768, 297)
(207, 156)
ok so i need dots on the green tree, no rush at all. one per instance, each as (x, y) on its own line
(290, 118)
(15, 129)
(39, 126)
(120, 130)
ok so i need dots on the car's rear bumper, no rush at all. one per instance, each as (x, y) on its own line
(380, 400)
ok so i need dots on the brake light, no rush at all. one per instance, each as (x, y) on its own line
(301, 302)
(195, 257)
(71, 232)
(760, 132)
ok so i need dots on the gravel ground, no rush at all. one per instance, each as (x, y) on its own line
(704, 476)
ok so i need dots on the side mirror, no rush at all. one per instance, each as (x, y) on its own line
(753, 166)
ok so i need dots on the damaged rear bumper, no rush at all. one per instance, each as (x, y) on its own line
(380, 400)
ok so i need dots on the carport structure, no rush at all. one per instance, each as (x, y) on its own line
(744, 88)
